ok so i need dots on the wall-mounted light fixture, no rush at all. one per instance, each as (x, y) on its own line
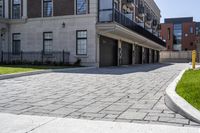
(63, 24)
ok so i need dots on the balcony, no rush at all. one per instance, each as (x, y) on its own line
(113, 15)
(141, 10)
(130, 3)
(148, 17)
(155, 23)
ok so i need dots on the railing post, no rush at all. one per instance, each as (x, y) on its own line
(21, 56)
(113, 15)
(1, 56)
(42, 55)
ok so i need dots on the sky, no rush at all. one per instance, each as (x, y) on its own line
(179, 8)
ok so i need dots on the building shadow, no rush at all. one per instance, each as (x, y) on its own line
(120, 70)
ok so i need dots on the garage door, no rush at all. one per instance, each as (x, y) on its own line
(126, 53)
(153, 56)
(138, 54)
(108, 52)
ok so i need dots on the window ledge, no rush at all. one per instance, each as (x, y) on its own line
(81, 56)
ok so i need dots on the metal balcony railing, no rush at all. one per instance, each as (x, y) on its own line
(122, 19)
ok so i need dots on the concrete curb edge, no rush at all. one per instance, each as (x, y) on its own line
(16, 75)
(179, 105)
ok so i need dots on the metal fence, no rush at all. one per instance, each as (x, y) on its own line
(35, 57)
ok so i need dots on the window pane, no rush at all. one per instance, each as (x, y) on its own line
(16, 37)
(16, 7)
(16, 46)
(48, 45)
(1, 8)
(105, 16)
(48, 8)
(82, 42)
(105, 4)
(82, 34)
(48, 35)
(81, 6)
(48, 42)
(17, 2)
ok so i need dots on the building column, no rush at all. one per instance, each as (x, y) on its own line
(24, 9)
(158, 56)
(134, 55)
(119, 52)
(143, 55)
(150, 56)
(6, 10)
(98, 50)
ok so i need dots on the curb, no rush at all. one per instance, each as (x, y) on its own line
(9, 76)
(179, 105)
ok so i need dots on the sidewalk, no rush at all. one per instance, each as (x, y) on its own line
(36, 124)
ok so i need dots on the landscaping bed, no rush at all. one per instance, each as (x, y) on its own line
(189, 87)
(10, 69)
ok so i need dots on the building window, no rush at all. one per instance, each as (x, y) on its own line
(191, 44)
(191, 30)
(81, 42)
(47, 42)
(16, 9)
(81, 7)
(47, 8)
(1, 8)
(16, 44)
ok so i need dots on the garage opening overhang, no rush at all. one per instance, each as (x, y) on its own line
(121, 31)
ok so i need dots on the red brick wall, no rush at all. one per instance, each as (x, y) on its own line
(164, 35)
(188, 39)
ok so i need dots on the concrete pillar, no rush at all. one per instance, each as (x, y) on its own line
(134, 55)
(98, 50)
(120, 5)
(24, 9)
(155, 57)
(6, 9)
(143, 56)
(150, 56)
(119, 52)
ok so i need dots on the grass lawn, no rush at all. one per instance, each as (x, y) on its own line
(9, 69)
(189, 87)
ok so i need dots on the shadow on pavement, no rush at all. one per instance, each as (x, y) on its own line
(121, 70)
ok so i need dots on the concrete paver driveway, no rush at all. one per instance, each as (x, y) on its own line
(127, 94)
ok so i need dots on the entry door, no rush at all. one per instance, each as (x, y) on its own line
(108, 52)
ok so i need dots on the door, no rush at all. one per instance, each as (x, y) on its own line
(126, 53)
(108, 52)
(138, 55)
(153, 56)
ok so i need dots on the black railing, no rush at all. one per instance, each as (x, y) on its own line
(128, 23)
(125, 21)
(35, 57)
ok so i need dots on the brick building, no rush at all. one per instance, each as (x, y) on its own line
(180, 34)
